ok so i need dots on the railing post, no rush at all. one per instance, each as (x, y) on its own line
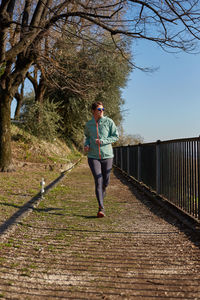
(158, 166)
(128, 160)
(115, 155)
(198, 176)
(121, 162)
(139, 163)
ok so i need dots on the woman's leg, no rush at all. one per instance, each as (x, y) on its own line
(95, 166)
(106, 167)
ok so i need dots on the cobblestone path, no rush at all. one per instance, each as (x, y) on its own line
(62, 251)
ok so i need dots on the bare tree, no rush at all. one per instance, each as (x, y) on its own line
(25, 24)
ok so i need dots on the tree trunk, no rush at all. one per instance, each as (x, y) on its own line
(9, 83)
(39, 97)
(40, 92)
(5, 134)
(19, 99)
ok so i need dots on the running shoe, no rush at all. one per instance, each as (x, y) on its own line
(100, 214)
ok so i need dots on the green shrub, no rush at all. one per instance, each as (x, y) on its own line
(41, 119)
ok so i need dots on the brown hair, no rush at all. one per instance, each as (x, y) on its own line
(95, 104)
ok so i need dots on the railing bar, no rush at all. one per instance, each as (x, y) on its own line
(183, 179)
(133, 161)
(185, 175)
(162, 169)
(171, 170)
(175, 173)
(171, 141)
(192, 176)
(166, 183)
(195, 179)
(178, 173)
(198, 176)
(167, 172)
(118, 157)
(188, 177)
(126, 159)
(192, 179)
(190, 160)
(192, 187)
(130, 160)
(133, 157)
(182, 173)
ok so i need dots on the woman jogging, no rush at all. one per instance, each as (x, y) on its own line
(100, 133)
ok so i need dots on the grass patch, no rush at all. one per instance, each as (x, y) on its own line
(25, 272)
(60, 190)
(14, 265)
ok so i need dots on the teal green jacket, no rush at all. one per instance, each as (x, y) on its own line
(106, 131)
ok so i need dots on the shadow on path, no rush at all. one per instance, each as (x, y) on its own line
(176, 219)
(28, 206)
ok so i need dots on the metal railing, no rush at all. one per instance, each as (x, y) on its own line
(170, 168)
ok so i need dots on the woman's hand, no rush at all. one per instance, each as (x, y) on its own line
(98, 141)
(86, 148)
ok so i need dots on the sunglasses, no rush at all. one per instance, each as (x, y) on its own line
(100, 109)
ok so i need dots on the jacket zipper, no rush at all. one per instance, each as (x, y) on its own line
(98, 138)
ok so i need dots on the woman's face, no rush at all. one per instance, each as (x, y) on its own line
(98, 112)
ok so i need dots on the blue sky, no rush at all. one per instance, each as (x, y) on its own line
(164, 104)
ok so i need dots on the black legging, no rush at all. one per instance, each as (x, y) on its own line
(101, 169)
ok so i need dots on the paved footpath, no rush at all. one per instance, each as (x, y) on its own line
(62, 251)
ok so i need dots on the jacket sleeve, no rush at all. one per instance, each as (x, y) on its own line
(87, 137)
(113, 135)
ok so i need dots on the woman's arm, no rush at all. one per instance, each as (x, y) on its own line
(113, 135)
